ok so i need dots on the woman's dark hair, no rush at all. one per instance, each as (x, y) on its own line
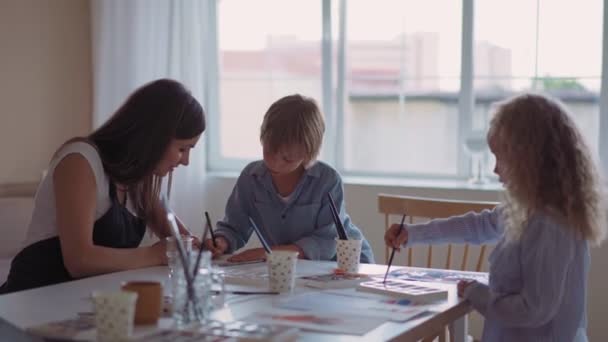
(133, 141)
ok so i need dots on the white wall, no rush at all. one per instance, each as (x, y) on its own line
(361, 203)
(45, 82)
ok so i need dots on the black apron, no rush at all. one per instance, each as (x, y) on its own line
(41, 263)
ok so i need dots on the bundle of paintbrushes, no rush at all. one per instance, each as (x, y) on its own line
(190, 273)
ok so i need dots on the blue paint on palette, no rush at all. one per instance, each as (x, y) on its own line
(402, 301)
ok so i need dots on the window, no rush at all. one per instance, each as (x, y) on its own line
(402, 86)
(262, 57)
(407, 87)
(543, 52)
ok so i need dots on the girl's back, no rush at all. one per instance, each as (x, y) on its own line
(538, 285)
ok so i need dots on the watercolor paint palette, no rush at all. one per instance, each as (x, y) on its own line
(437, 275)
(403, 289)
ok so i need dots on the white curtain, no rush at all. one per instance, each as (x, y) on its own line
(137, 41)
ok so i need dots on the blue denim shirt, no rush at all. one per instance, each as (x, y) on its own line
(304, 220)
(538, 284)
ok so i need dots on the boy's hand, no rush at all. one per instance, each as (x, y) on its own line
(393, 238)
(249, 255)
(220, 242)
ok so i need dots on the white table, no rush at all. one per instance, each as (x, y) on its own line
(64, 301)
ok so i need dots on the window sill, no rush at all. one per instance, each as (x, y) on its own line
(409, 183)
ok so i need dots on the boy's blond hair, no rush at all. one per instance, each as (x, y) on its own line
(294, 120)
(548, 167)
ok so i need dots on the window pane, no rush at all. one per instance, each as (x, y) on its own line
(571, 48)
(569, 60)
(567, 64)
(403, 69)
(264, 55)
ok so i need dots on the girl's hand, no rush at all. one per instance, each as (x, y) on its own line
(249, 255)
(395, 239)
(221, 246)
(462, 285)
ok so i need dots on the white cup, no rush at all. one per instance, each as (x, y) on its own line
(348, 254)
(114, 314)
(281, 270)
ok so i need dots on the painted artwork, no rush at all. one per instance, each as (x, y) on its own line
(437, 275)
(228, 332)
(68, 329)
(325, 322)
(339, 303)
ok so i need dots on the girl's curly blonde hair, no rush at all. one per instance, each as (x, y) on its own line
(547, 167)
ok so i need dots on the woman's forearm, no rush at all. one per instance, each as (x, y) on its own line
(100, 260)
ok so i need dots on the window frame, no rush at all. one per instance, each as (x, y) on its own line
(333, 99)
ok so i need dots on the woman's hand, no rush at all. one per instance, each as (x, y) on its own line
(249, 255)
(394, 238)
(221, 246)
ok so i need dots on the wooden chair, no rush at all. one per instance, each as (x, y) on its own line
(429, 208)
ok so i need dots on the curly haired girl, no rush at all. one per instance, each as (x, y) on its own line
(552, 210)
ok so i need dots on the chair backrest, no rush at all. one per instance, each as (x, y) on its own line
(430, 208)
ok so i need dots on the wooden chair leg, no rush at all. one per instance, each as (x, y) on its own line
(429, 339)
(451, 332)
(442, 336)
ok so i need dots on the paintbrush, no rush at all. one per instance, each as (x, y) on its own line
(390, 260)
(210, 229)
(336, 216)
(200, 252)
(259, 234)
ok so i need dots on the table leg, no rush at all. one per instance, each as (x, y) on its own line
(459, 329)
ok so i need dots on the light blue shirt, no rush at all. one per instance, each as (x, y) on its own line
(538, 284)
(304, 220)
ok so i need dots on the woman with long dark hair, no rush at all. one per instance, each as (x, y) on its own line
(101, 191)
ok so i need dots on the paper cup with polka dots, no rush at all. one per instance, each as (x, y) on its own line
(348, 254)
(114, 313)
(281, 270)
